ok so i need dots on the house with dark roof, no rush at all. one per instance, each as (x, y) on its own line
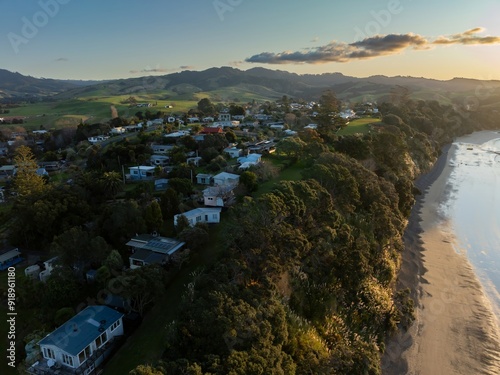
(81, 344)
(150, 249)
(212, 130)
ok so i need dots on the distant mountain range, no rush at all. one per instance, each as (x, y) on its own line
(261, 82)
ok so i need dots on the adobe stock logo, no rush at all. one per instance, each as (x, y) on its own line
(223, 6)
(48, 9)
(380, 20)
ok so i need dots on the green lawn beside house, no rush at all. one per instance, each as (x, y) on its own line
(361, 125)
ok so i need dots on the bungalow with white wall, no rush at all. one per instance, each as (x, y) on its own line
(233, 152)
(159, 160)
(204, 179)
(219, 196)
(141, 172)
(249, 161)
(201, 215)
(81, 344)
(162, 149)
(225, 178)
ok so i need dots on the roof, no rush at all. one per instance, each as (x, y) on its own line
(201, 210)
(7, 168)
(204, 175)
(210, 130)
(225, 176)
(9, 255)
(143, 168)
(162, 245)
(78, 332)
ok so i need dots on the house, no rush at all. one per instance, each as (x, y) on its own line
(141, 172)
(218, 196)
(149, 249)
(9, 258)
(204, 179)
(4, 148)
(311, 126)
(97, 139)
(238, 117)
(81, 344)
(277, 126)
(249, 160)
(117, 131)
(224, 117)
(162, 149)
(161, 160)
(48, 267)
(161, 184)
(225, 178)
(7, 171)
(42, 172)
(178, 134)
(195, 160)
(233, 152)
(208, 119)
(201, 215)
(212, 130)
(192, 120)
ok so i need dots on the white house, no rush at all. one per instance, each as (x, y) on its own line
(118, 130)
(233, 152)
(9, 258)
(141, 172)
(192, 120)
(161, 160)
(162, 149)
(81, 344)
(249, 160)
(49, 266)
(149, 249)
(224, 117)
(311, 126)
(225, 178)
(218, 196)
(204, 179)
(201, 215)
(208, 119)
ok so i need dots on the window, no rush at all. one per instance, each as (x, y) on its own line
(84, 354)
(101, 340)
(214, 216)
(49, 353)
(68, 360)
(115, 325)
(198, 219)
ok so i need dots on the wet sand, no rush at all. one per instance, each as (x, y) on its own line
(455, 331)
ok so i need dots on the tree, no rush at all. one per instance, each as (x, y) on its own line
(169, 203)
(153, 216)
(249, 180)
(111, 183)
(206, 107)
(235, 110)
(195, 237)
(292, 147)
(27, 181)
(181, 185)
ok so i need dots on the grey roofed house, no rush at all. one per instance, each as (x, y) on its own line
(81, 344)
(149, 249)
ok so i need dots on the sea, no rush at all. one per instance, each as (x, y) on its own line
(473, 207)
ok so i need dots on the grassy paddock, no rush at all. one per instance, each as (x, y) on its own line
(361, 125)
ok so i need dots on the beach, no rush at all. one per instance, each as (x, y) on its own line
(456, 330)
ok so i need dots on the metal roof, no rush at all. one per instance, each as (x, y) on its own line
(81, 330)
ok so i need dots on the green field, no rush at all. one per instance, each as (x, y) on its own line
(92, 109)
(361, 125)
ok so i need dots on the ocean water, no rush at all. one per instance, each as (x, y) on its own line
(473, 207)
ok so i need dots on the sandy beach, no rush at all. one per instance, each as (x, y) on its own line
(455, 331)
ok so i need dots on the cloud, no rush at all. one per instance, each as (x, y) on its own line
(186, 67)
(61, 59)
(315, 39)
(371, 47)
(467, 38)
(151, 70)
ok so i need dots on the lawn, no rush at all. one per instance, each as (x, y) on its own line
(290, 173)
(361, 125)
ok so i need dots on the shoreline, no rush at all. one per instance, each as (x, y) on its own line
(455, 330)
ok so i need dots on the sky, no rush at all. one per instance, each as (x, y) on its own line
(108, 39)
